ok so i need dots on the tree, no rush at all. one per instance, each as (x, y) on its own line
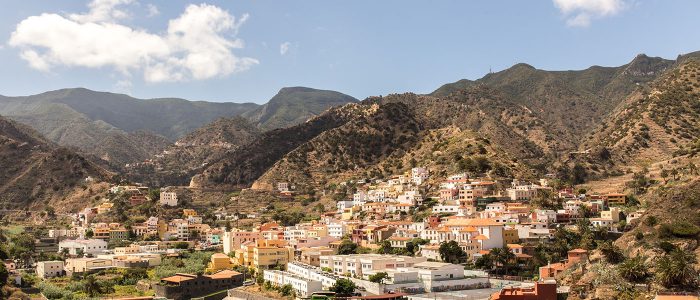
(677, 269)
(579, 174)
(612, 253)
(347, 247)
(502, 258)
(451, 252)
(385, 247)
(89, 234)
(287, 290)
(634, 269)
(343, 287)
(379, 277)
(91, 286)
(4, 275)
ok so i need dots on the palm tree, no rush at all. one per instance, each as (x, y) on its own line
(677, 269)
(92, 286)
(502, 257)
(634, 269)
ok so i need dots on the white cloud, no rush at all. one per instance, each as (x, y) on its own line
(102, 11)
(581, 12)
(195, 46)
(284, 48)
(152, 10)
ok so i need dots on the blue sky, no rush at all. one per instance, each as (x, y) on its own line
(361, 48)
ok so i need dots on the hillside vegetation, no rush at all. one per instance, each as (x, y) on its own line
(34, 171)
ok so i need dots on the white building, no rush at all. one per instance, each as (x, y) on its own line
(445, 209)
(49, 269)
(302, 287)
(419, 175)
(546, 216)
(359, 264)
(342, 205)
(337, 230)
(168, 198)
(313, 273)
(91, 246)
(359, 198)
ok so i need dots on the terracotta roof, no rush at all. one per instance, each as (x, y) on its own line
(224, 274)
(472, 222)
(468, 229)
(480, 237)
(514, 246)
(578, 250)
(178, 278)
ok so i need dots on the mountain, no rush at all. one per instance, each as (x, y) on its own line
(295, 105)
(242, 166)
(116, 128)
(520, 119)
(35, 171)
(571, 102)
(174, 164)
(121, 130)
(658, 122)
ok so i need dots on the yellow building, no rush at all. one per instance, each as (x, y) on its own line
(510, 236)
(188, 212)
(349, 212)
(219, 261)
(616, 199)
(104, 207)
(263, 254)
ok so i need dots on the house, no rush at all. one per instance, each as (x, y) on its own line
(543, 290)
(615, 198)
(602, 223)
(49, 269)
(553, 269)
(611, 214)
(419, 175)
(303, 287)
(77, 247)
(264, 254)
(187, 286)
(86, 265)
(359, 264)
(168, 198)
(219, 261)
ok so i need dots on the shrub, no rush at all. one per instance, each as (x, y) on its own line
(634, 269)
(666, 246)
(651, 221)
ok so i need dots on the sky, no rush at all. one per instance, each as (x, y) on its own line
(245, 51)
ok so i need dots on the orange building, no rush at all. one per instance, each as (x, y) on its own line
(552, 270)
(546, 290)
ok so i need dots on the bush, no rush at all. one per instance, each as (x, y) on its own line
(651, 221)
(666, 246)
(634, 269)
(680, 229)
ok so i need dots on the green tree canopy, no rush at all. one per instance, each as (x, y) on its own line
(451, 252)
(343, 287)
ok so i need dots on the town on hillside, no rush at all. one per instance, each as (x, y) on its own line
(396, 238)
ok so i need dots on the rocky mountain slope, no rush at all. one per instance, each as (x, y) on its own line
(571, 102)
(35, 171)
(295, 105)
(657, 122)
(175, 164)
(239, 168)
